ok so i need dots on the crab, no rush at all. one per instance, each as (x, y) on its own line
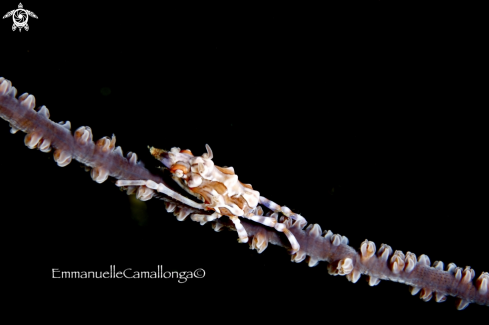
(218, 188)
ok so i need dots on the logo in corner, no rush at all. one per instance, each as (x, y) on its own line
(20, 17)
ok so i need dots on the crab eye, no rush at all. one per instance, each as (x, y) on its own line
(178, 173)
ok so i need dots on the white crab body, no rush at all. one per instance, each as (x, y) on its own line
(218, 187)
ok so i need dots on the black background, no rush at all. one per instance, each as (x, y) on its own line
(366, 120)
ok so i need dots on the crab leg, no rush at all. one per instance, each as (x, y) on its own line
(161, 188)
(272, 222)
(267, 221)
(243, 235)
(290, 236)
(277, 208)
